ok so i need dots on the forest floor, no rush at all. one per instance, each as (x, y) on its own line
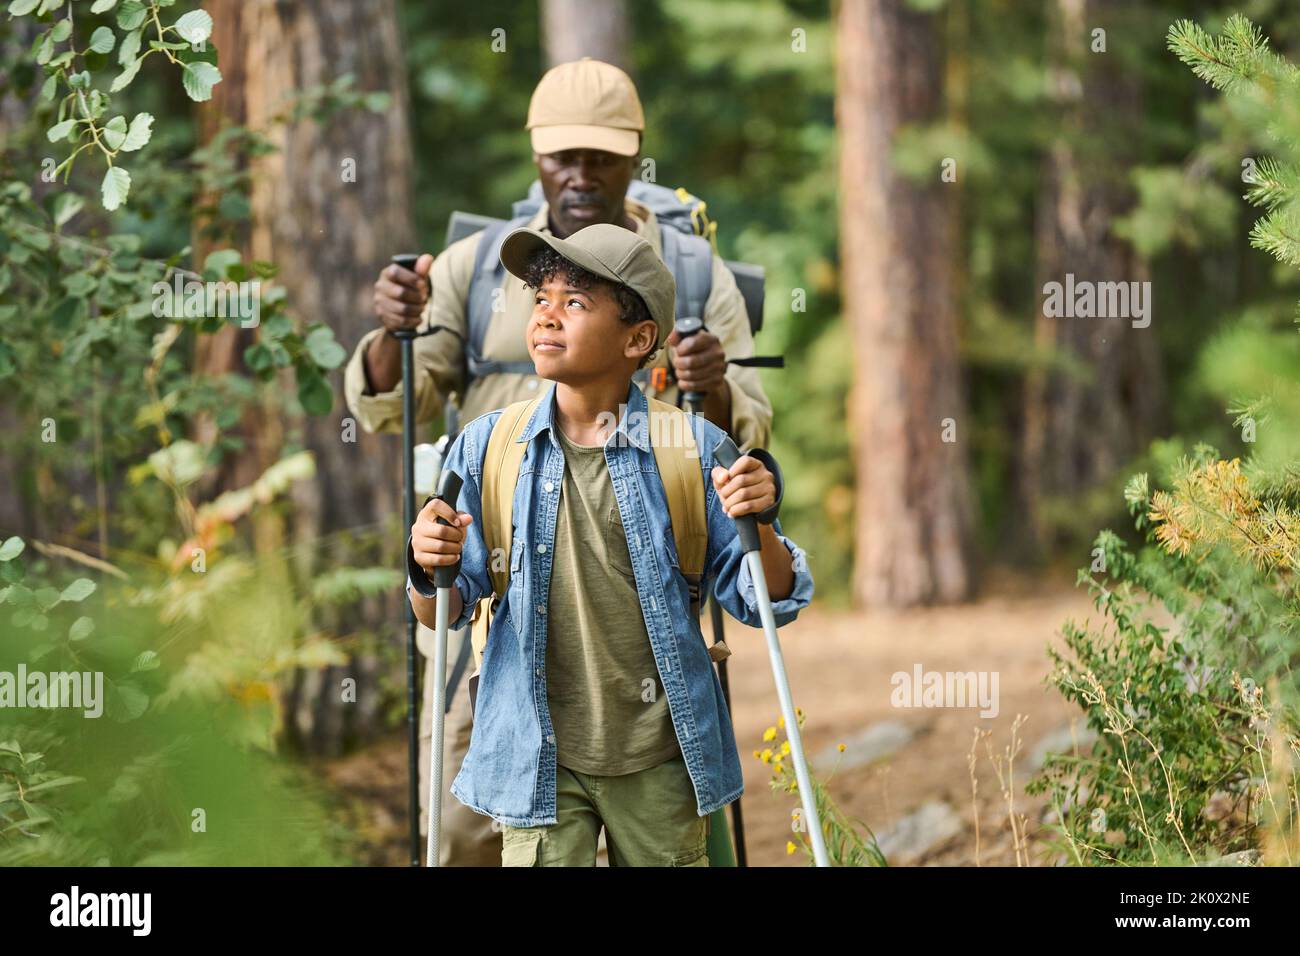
(905, 771)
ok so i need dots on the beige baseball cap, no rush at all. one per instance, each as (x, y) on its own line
(586, 104)
(611, 252)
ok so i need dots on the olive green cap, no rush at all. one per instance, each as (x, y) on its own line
(611, 252)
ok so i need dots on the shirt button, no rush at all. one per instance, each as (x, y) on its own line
(539, 672)
(550, 738)
(532, 384)
(541, 609)
(541, 549)
(549, 486)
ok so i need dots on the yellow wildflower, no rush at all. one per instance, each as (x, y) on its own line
(766, 755)
(785, 747)
(769, 734)
(790, 848)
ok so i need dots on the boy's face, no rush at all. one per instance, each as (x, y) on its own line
(578, 335)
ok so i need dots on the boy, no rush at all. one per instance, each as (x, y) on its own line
(613, 715)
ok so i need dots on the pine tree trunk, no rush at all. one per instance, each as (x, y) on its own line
(572, 29)
(1081, 426)
(329, 230)
(897, 242)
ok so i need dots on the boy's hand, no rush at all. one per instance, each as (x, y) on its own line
(746, 488)
(435, 544)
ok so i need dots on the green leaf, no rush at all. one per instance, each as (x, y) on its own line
(46, 49)
(60, 130)
(46, 598)
(81, 629)
(198, 79)
(139, 133)
(122, 79)
(49, 88)
(146, 661)
(78, 590)
(102, 40)
(195, 26)
(114, 133)
(12, 548)
(67, 315)
(314, 393)
(126, 701)
(131, 14)
(102, 6)
(323, 349)
(62, 30)
(80, 284)
(66, 205)
(22, 7)
(129, 46)
(219, 262)
(116, 185)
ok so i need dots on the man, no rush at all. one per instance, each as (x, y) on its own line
(585, 122)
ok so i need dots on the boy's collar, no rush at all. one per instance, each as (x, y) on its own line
(635, 404)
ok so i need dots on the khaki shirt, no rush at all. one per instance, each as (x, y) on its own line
(439, 358)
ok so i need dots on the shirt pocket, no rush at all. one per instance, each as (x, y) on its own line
(516, 595)
(616, 546)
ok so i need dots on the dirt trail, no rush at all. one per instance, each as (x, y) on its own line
(840, 665)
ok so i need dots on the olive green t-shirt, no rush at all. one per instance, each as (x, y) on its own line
(607, 705)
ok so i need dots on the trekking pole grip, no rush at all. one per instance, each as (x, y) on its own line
(686, 327)
(725, 453)
(444, 576)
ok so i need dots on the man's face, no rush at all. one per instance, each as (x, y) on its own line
(578, 335)
(584, 186)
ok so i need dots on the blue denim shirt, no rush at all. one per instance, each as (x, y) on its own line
(510, 768)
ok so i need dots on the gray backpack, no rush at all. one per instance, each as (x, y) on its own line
(687, 254)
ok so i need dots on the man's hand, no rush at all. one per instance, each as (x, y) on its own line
(700, 365)
(699, 362)
(433, 544)
(400, 297)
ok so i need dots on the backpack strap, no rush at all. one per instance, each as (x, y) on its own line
(678, 461)
(501, 464)
(487, 277)
(690, 259)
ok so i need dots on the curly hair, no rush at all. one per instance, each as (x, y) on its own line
(544, 264)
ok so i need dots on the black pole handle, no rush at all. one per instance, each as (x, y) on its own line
(685, 328)
(448, 490)
(725, 453)
(406, 260)
(443, 576)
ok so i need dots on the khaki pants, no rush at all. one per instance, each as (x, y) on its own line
(467, 838)
(649, 819)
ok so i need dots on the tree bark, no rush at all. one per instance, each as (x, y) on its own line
(1081, 426)
(897, 252)
(329, 237)
(572, 29)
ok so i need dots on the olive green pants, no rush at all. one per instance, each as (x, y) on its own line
(649, 819)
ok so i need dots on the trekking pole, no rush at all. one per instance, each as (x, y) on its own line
(687, 327)
(726, 455)
(406, 338)
(444, 579)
